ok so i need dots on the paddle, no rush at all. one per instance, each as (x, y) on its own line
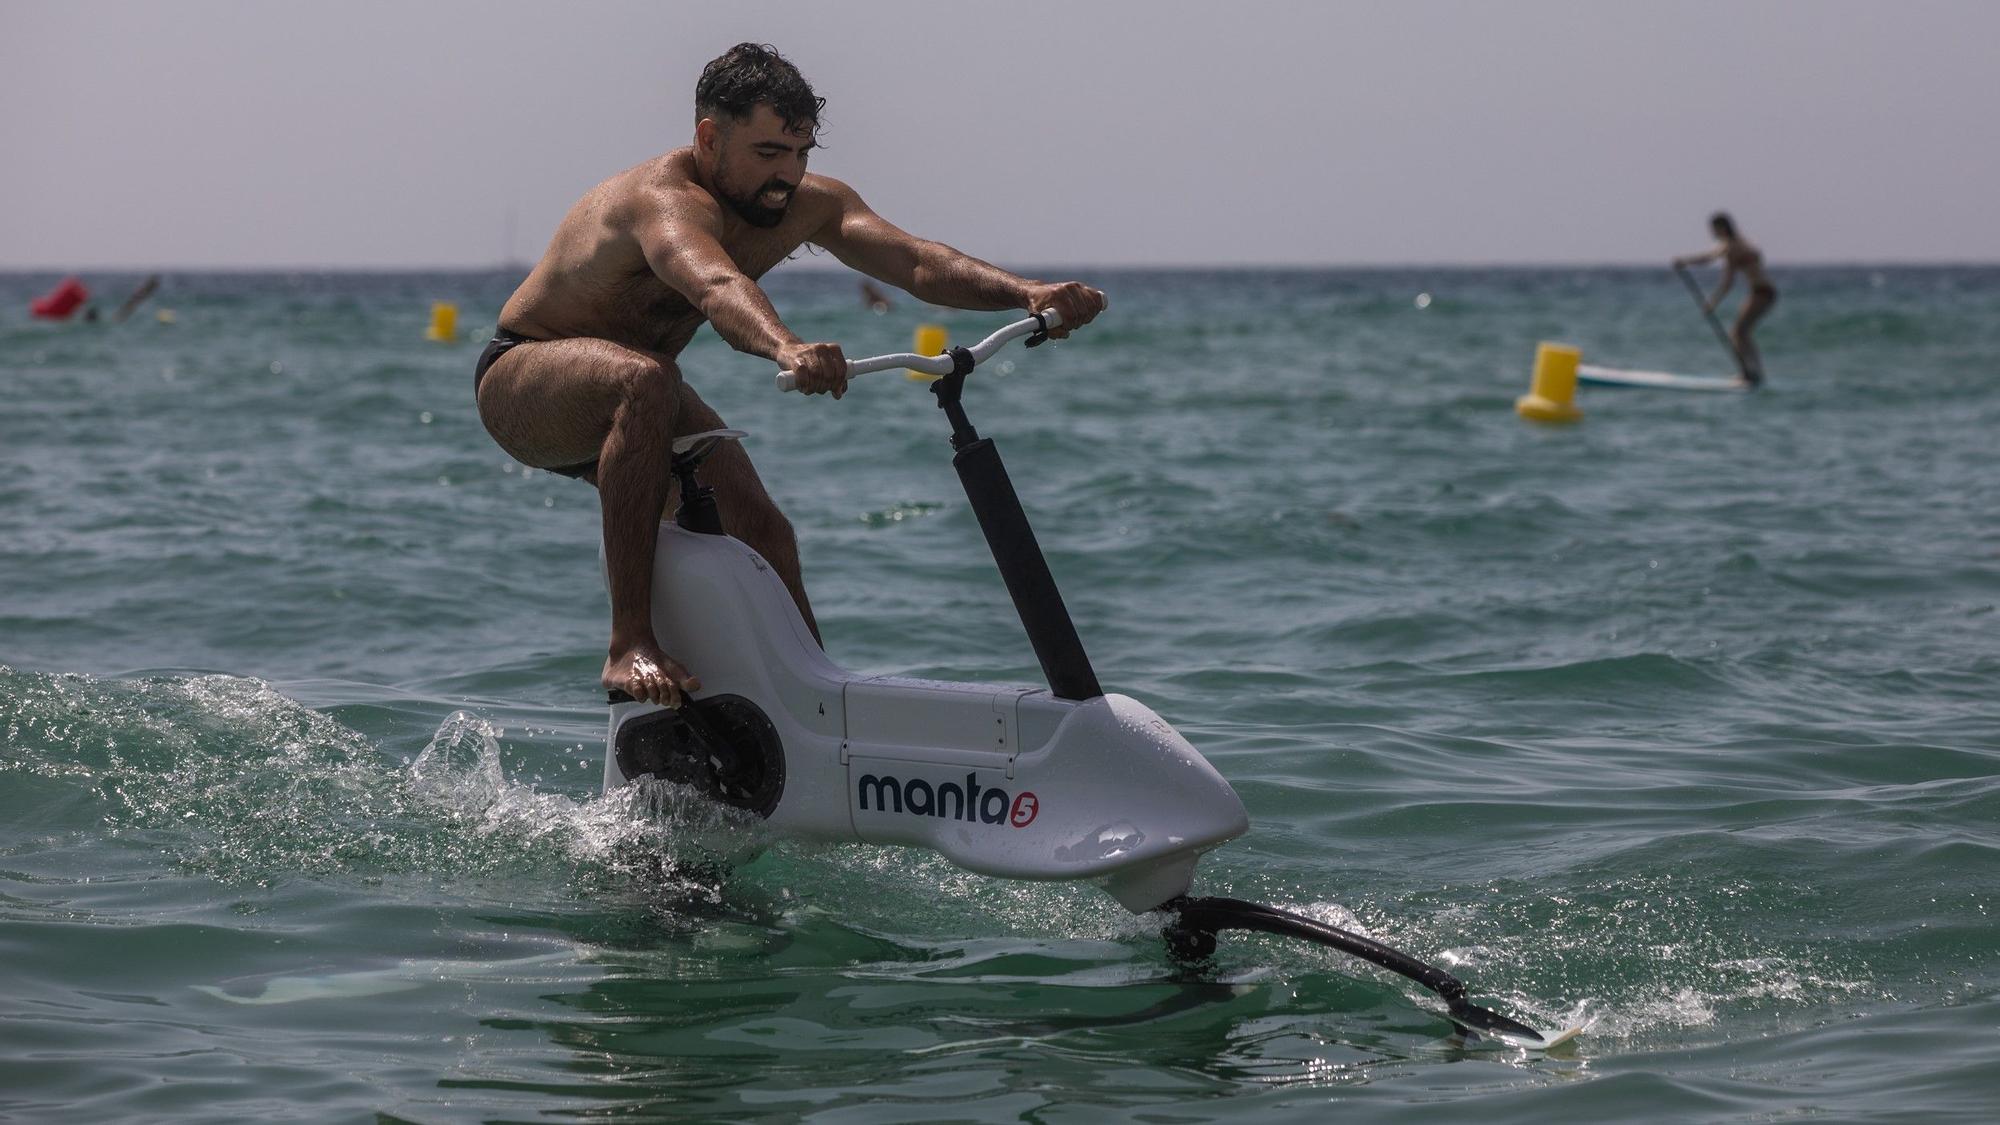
(1721, 333)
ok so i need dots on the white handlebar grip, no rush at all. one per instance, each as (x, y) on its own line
(787, 381)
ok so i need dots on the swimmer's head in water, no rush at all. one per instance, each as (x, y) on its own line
(1722, 225)
(756, 117)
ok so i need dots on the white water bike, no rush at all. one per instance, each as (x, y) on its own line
(1020, 782)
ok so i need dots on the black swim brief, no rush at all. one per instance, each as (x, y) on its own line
(503, 342)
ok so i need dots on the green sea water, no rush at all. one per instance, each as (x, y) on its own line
(1681, 721)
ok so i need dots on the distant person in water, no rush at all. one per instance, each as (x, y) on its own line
(137, 298)
(876, 300)
(1738, 254)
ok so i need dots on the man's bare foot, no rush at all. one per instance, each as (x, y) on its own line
(649, 676)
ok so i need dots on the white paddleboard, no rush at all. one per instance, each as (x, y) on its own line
(1594, 376)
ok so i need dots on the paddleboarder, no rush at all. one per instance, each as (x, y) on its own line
(1738, 255)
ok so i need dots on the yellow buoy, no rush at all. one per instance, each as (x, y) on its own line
(444, 321)
(931, 340)
(1551, 396)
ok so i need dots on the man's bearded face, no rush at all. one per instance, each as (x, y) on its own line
(759, 204)
(759, 166)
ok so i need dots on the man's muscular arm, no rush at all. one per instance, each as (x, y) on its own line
(683, 245)
(934, 272)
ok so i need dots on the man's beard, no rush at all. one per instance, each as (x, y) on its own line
(752, 211)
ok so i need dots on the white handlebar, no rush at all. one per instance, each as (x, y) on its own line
(938, 364)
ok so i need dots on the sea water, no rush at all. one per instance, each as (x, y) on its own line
(1681, 721)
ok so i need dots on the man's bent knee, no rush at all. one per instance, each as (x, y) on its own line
(555, 404)
(654, 384)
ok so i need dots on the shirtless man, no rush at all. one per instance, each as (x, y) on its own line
(1738, 255)
(581, 377)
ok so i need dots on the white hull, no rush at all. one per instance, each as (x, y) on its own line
(1002, 780)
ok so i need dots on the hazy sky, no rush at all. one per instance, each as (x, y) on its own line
(413, 133)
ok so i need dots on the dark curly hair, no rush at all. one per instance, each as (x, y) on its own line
(752, 74)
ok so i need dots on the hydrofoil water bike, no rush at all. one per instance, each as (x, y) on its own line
(1022, 782)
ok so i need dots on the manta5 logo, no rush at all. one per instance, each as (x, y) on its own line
(948, 800)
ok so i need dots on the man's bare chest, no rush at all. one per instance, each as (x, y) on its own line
(637, 306)
(757, 254)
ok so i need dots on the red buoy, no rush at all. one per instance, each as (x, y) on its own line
(61, 301)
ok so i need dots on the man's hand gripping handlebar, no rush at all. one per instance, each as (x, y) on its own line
(1034, 326)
